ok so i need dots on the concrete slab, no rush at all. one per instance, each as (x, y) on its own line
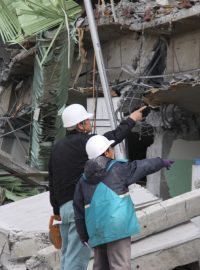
(166, 250)
(24, 230)
(163, 251)
(31, 214)
(142, 197)
(25, 233)
(167, 259)
(169, 213)
(167, 239)
(14, 266)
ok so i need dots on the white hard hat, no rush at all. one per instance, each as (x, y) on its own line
(97, 145)
(74, 114)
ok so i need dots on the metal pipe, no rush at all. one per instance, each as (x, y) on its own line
(119, 149)
(5, 134)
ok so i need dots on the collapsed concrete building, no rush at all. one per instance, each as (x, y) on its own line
(151, 54)
(144, 58)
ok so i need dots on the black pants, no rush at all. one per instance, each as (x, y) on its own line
(113, 256)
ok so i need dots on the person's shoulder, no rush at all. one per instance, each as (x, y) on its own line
(117, 164)
(85, 136)
(120, 162)
(59, 142)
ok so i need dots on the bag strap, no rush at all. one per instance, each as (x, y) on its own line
(112, 162)
(115, 161)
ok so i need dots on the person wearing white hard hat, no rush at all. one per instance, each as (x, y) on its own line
(75, 114)
(66, 165)
(104, 212)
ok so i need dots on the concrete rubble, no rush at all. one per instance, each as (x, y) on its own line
(138, 15)
(24, 237)
(23, 230)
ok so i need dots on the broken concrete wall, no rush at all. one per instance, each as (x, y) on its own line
(161, 146)
(183, 52)
(124, 56)
(183, 55)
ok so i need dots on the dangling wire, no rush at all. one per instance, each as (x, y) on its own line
(82, 55)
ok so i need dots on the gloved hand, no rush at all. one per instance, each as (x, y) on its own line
(168, 163)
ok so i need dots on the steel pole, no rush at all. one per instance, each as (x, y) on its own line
(119, 149)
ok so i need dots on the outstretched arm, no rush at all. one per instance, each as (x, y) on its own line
(138, 169)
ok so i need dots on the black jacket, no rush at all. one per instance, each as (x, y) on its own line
(67, 162)
(116, 178)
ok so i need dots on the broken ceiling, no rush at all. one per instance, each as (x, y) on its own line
(186, 96)
(157, 17)
(164, 19)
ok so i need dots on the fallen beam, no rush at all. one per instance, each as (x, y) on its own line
(169, 213)
(166, 250)
(13, 167)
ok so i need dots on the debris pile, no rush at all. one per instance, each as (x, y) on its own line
(165, 226)
(141, 11)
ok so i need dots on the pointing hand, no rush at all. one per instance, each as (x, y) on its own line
(168, 163)
(137, 115)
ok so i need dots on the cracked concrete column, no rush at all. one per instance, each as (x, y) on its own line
(156, 183)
